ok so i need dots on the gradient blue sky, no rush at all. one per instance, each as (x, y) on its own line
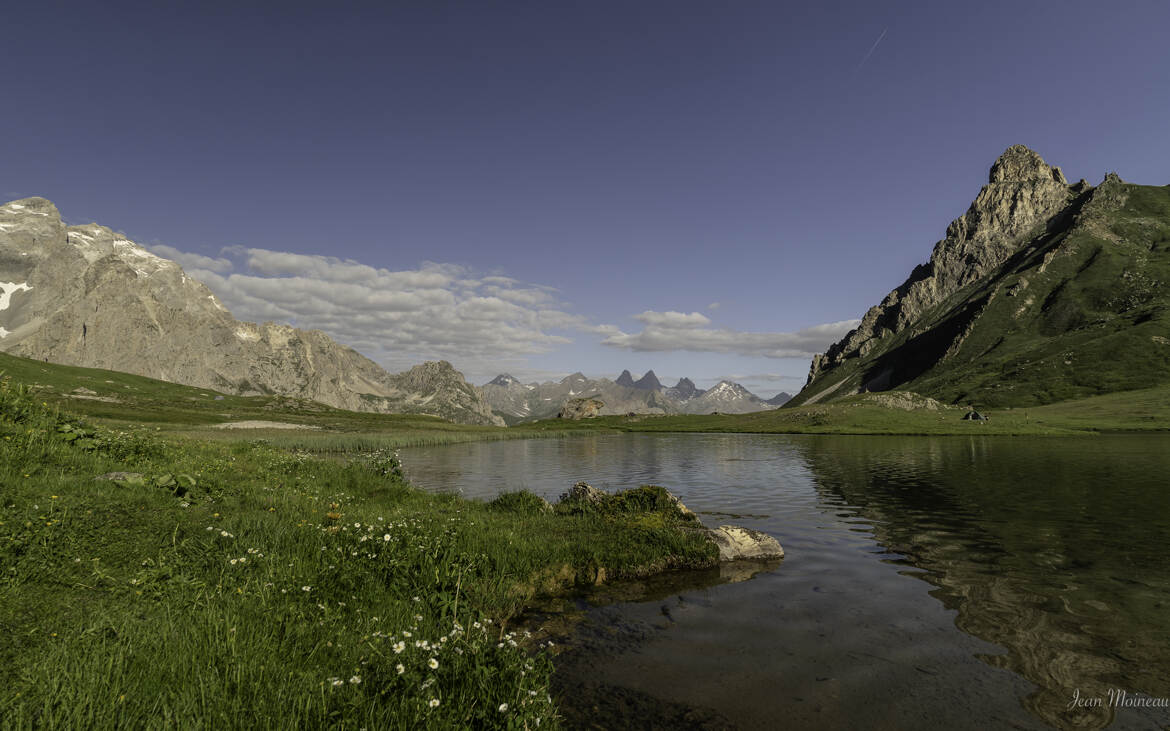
(531, 176)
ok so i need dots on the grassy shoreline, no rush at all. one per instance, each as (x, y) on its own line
(237, 583)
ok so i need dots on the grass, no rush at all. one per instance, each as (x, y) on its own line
(238, 583)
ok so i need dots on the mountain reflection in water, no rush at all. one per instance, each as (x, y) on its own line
(1043, 561)
(1054, 549)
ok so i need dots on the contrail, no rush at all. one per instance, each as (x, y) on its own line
(872, 49)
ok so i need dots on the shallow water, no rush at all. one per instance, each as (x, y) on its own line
(947, 582)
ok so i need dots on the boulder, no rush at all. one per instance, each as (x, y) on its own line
(583, 492)
(581, 408)
(736, 543)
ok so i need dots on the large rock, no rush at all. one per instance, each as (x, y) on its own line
(736, 543)
(87, 296)
(581, 408)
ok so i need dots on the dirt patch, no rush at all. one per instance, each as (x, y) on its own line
(259, 424)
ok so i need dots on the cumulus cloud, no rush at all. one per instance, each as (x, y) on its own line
(668, 331)
(397, 317)
(192, 261)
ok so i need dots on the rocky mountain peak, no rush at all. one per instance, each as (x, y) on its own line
(89, 296)
(504, 379)
(1019, 164)
(1024, 194)
(648, 382)
(625, 379)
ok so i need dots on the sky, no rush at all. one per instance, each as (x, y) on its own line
(712, 190)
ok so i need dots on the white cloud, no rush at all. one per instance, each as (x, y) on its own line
(670, 331)
(191, 261)
(396, 317)
(673, 319)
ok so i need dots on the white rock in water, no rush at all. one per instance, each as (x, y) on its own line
(737, 543)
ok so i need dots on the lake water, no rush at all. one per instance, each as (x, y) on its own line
(948, 582)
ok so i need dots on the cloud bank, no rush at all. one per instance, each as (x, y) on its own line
(667, 331)
(398, 317)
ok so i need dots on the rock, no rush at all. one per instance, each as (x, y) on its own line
(124, 478)
(581, 408)
(583, 492)
(83, 391)
(736, 543)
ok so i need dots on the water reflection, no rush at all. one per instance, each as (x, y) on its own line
(1038, 572)
(1052, 549)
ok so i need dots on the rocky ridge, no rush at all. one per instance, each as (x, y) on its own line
(88, 296)
(1041, 291)
(517, 401)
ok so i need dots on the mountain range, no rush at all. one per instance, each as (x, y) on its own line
(516, 401)
(1042, 291)
(87, 296)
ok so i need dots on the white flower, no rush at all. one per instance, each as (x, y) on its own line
(306, 588)
(386, 537)
(399, 647)
(355, 680)
(503, 707)
(434, 703)
(433, 664)
(233, 561)
(400, 668)
(337, 682)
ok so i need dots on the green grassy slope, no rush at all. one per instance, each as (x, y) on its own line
(1083, 310)
(241, 585)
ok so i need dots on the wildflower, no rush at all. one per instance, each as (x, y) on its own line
(433, 664)
(418, 617)
(503, 707)
(306, 588)
(398, 648)
(434, 703)
(337, 682)
(233, 562)
(355, 680)
(400, 668)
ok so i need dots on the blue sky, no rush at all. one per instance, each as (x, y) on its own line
(537, 187)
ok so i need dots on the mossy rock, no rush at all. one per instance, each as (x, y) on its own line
(523, 502)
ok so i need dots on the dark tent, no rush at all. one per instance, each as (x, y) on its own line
(974, 415)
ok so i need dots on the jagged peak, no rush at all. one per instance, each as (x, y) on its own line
(648, 381)
(31, 206)
(504, 379)
(1020, 164)
(625, 379)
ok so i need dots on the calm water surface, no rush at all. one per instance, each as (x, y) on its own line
(928, 583)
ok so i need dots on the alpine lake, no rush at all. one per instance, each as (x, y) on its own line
(928, 582)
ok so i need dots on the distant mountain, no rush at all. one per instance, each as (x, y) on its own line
(87, 296)
(684, 390)
(1043, 291)
(648, 382)
(779, 399)
(516, 402)
(726, 398)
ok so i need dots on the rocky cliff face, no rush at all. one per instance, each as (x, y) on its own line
(1041, 292)
(1022, 196)
(87, 296)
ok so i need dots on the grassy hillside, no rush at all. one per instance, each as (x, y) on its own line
(226, 584)
(1083, 310)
